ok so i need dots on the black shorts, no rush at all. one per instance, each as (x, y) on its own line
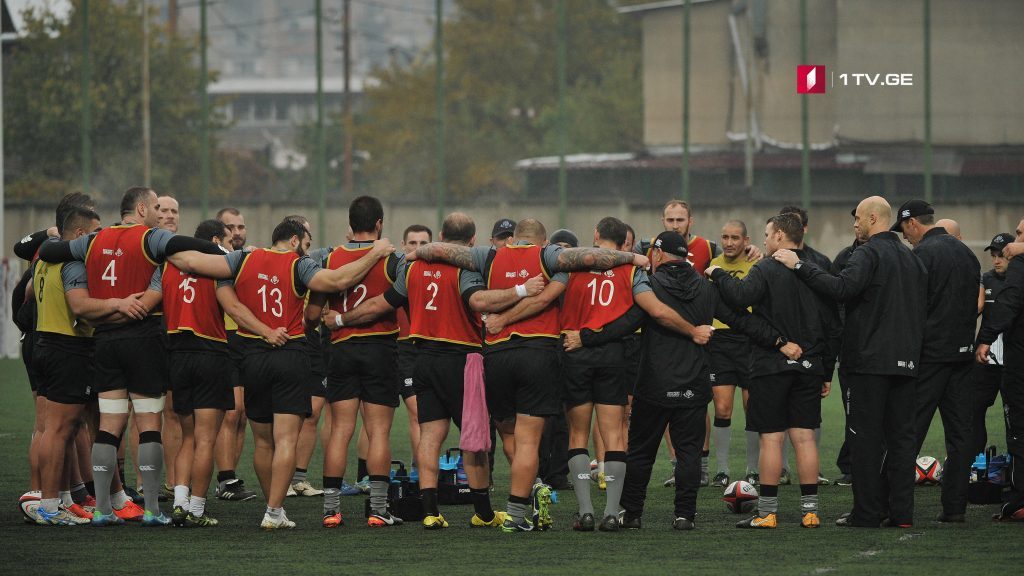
(584, 383)
(236, 351)
(63, 376)
(138, 365)
(317, 385)
(785, 400)
(439, 386)
(407, 353)
(277, 382)
(364, 370)
(523, 380)
(201, 380)
(27, 346)
(730, 361)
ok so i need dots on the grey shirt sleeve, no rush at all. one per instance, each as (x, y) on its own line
(80, 246)
(641, 282)
(401, 270)
(305, 269)
(156, 243)
(155, 283)
(479, 255)
(562, 277)
(73, 276)
(470, 281)
(320, 254)
(235, 260)
(549, 256)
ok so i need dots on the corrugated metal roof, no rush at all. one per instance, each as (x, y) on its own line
(657, 6)
(284, 85)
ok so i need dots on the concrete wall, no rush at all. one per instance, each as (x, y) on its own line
(831, 228)
(976, 93)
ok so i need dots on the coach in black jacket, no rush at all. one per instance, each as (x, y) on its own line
(674, 388)
(884, 287)
(944, 379)
(785, 395)
(1007, 318)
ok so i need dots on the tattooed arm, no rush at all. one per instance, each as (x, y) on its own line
(453, 254)
(572, 259)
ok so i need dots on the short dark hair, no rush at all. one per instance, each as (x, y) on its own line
(132, 198)
(208, 229)
(288, 228)
(458, 228)
(796, 210)
(630, 230)
(418, 228)
(743, 225)
(363, 214)
(78, 217)
(926, 219)
(228, 210)
(68, 203)
(612, 229)
(298, 218)
(789, 224)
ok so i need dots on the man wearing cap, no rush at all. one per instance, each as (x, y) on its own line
(943, 381)
(989, 375)
(884, 288)
(1006, 318)
(502, 232)
(674, 387)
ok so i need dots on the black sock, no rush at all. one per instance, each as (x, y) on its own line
(429, 496)
(225, 475)
(770, 490)
(704, 453)
(361, 471)
(482, 503)
(808, 489)
(91, 487)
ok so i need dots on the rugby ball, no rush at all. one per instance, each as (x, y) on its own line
(28, 503)
(927, 470)
(740, 497)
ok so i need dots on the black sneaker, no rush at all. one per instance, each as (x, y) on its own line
(630, 522)
(609, 524)
(234, 489)
(753, 478)
(721, 480)
(683, 524)
(844, 480)
(135, 495)
(178, 516)
(584, 523)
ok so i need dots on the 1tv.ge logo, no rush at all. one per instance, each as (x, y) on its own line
(811, 79)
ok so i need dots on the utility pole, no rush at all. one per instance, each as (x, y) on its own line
(928, 101)
(86, 123)
(172, 17)
(346, 113)
(439, 85)
(563, 131)
(147, 168)
(685, 156)
(204, 137)
(320, 179)
(805, 149)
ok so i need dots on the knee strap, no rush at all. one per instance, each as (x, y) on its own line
(148, 405)
(109, 406)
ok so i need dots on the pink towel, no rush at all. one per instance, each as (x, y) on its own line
(476, 421)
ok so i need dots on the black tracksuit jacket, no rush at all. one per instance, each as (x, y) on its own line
(954, 275)
(1006, 318)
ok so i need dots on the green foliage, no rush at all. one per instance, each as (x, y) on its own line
(501, 102)
(43, 106)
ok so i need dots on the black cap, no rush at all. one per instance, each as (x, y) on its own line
(564, 236)
(672, 243)
(1000, 241)
(503, 228)
(911, 209)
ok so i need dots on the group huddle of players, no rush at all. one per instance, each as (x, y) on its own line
(188, 337)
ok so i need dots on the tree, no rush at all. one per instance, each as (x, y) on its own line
(501, 98)
(43, 104)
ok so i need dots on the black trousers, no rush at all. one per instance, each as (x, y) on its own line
(646, 428)
(986, 381)
(553, 465)
(881, 448)
(1013, 400)
(843, 459)
(948, 388)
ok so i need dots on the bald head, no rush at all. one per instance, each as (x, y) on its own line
(458, 228)
(532, 231)
(951, 226)
(872, 217)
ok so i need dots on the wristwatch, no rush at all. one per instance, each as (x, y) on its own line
(798, 264)
(780, 342)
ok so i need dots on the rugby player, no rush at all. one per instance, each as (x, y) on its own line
(988, 376)
(167, 206)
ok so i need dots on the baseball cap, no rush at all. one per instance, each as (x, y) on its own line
(562, 235)
(911, 209)
(672, 243)
(503, 228)
(1000, 241)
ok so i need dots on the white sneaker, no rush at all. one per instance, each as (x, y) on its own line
(304, 489)
(291, 491)
(282, 524)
